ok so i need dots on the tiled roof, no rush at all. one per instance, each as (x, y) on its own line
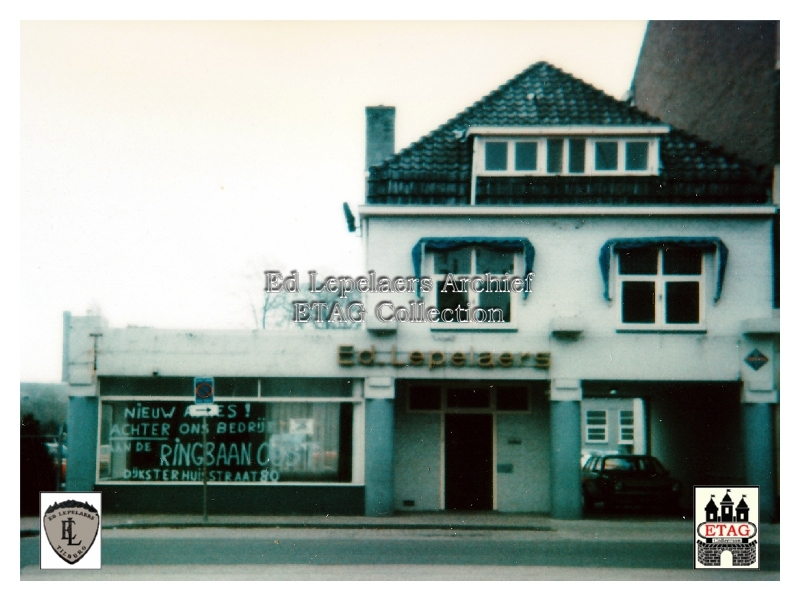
(436, 169)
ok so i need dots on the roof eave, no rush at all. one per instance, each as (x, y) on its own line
(572, 130)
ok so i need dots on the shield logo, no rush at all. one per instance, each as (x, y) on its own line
(71, 528)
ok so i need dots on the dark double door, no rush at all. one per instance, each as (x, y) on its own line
(468, 463)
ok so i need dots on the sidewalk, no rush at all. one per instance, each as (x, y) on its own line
(610, 528)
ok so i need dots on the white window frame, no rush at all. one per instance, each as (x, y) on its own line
(472, 297)
(660, 280)
(594, 427)
(479, 156)
(629, 428)
(652, 156)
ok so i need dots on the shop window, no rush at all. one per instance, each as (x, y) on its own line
(266, 442)
(596, 426)
(236, 386)
(468, 398)
(424, 397)
(458, 398)
(512, 398)
(147, 386)
(661, 286)
(309, 387)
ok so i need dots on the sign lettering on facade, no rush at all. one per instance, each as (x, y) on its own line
(348, 356)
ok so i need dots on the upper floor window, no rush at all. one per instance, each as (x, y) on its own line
(566, 155)
(661, 286)
(506, 156)
(476, 281)
(621, 156)
(463, 281)
(662, 283)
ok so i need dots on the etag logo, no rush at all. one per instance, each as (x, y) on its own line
(726, 527)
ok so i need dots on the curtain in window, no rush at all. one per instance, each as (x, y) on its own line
(711, 244)
(303, 437)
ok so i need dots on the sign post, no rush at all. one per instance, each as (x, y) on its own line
(204, 402)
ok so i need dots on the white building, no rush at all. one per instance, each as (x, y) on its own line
(618, 298)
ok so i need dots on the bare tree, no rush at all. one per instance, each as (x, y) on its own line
(280, 310)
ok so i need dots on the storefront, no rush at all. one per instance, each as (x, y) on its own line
(292, 432)
(337, 438)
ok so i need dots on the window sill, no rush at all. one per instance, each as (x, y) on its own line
(661, 329)
(474, 328)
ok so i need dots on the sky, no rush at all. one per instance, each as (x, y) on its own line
(165, 165)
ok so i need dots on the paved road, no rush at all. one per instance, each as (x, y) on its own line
(279, 553)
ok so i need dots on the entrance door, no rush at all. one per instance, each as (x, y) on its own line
(468, 463)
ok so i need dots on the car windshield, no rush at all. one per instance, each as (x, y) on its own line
(617, 463)
(643, 464)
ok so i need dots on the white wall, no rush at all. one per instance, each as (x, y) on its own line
(527, 487)
(417, 459)
(568, 283)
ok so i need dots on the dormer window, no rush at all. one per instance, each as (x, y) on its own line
(555, 155)
(577, 150)
(566, 156)
(623, 156)
(519, 153)
(511, 156)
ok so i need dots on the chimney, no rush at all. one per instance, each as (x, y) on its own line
(380, 134)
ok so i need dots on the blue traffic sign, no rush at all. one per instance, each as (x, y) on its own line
(203, 390)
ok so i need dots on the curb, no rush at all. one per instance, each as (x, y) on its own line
(392, 526)
(338, 526)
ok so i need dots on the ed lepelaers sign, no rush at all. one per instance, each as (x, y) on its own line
(349, 356)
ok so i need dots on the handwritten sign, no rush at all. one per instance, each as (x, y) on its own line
(160, 441)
